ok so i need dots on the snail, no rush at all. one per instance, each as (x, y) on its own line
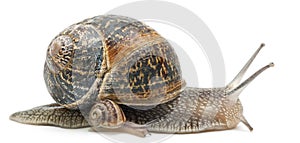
(115, 72)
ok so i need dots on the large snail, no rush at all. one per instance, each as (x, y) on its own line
(116, 72)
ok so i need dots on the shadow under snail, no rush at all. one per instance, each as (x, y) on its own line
(114, 72)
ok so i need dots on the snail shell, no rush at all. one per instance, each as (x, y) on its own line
(112, 57)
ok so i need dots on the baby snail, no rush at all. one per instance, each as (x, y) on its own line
(114, 72)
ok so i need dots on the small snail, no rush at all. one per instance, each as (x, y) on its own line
(115, 72)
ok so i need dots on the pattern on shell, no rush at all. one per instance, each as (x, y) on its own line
(112, 57)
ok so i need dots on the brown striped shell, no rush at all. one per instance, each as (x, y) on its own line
(112, 57)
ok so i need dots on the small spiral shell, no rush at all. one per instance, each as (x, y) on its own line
(106, 114)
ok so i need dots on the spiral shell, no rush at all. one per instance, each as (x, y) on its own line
(112, 57)
(106, 114)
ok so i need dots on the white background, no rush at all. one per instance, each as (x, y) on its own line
(271, 102)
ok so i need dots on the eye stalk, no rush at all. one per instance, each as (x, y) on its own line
(59, 53)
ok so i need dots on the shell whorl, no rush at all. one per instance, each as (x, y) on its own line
(106, 114)
(68, 83)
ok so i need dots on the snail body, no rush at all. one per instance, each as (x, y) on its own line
(116, 72)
